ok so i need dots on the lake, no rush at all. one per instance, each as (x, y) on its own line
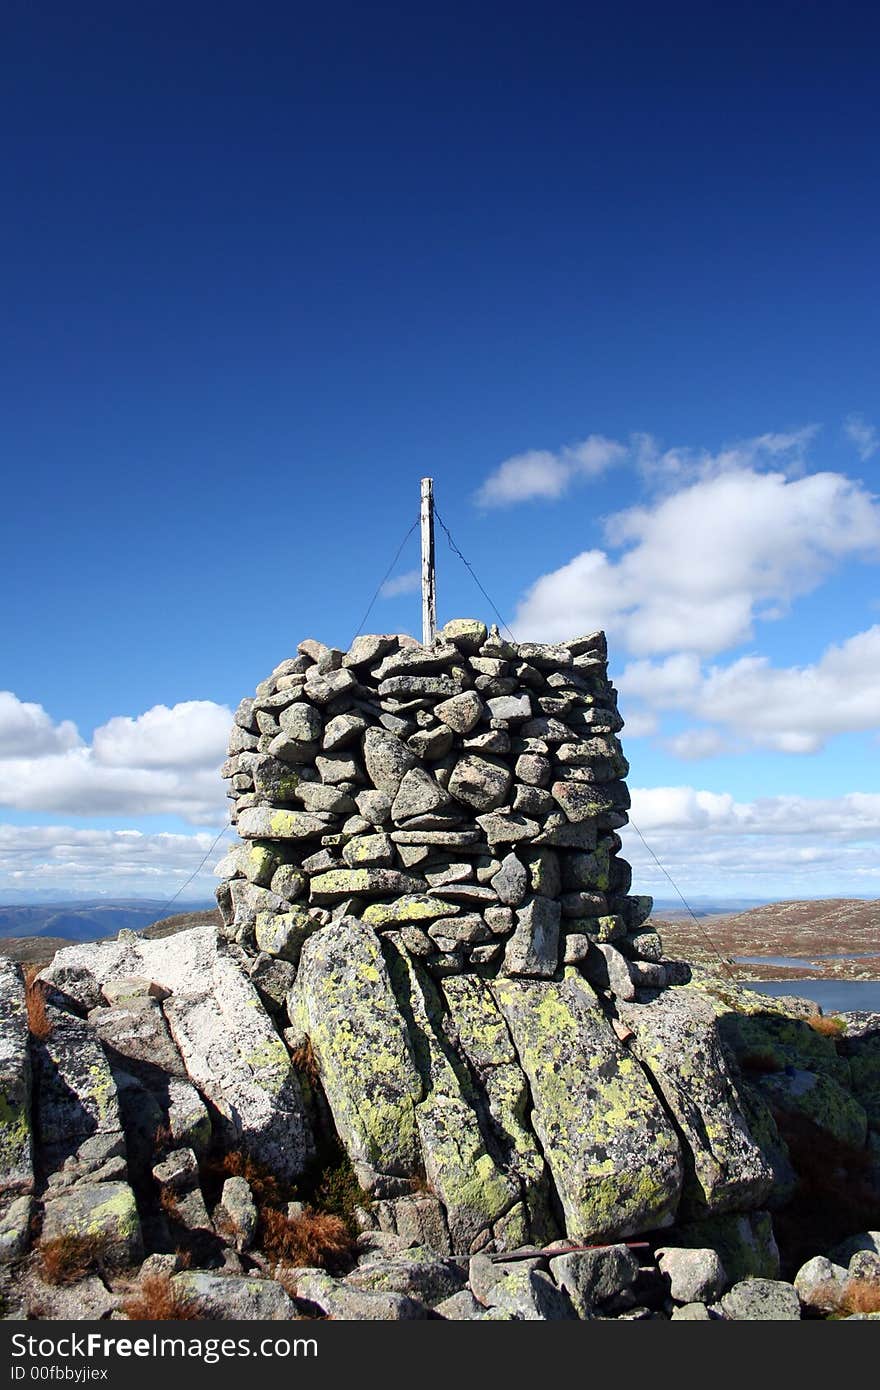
(832, 996)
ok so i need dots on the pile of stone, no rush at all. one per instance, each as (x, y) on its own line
(464, 798)
(430, 960)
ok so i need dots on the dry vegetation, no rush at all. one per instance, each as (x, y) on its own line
(66, 1259)
(315, 1238)
(35, 992)
(157, 1300)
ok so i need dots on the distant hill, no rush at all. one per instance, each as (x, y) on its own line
(28, 950)
(810, 930)
(81, 921)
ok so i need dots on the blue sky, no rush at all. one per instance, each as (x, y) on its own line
(608, 274)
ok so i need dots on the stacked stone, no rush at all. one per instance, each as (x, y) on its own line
(464, 796)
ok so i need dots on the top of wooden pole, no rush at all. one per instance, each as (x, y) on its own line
(429, 593)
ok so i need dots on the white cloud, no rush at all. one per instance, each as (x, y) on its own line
(59, 860)
(792, 709)
(541, 473)
(864, 436)
(407, 583)
(26, 730)
(692, 744)
(783, 451)
(165, 762)
(703, 563)
(188, 735)
(775, 846)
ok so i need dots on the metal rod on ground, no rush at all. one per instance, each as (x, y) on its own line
(429, 595)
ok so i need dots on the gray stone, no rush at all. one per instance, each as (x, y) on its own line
(342, 730)
(367, 649)
(530, 1295)
(228, 1297)
(695, 1276)
(614, 1157)
(369, 851)
(340, 1301)
(511, 881)
(819, 1284)
(237, 1213)
(337, 884)
(418, 795)
(593, 1278)
(479, 782)
(502, 827)
(315, 796)
(106, 1211)
(533, 769)
(266, 823)
(462, 713)
(16, 1142)
(324, 688)
(533, 949)
(691, 1312)
(460, 1307)
(761, 1300)
(468, 634)
(335, 768)
(15, 1218)
(386, 760)
(512, 709)
(301, 723)
(607, 969)
(432, 743)
(282, 933)
(428, 1280)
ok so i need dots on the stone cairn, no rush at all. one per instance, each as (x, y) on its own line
(430, 963)
(464, 796)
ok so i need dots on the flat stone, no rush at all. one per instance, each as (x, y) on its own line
(338, 884)
(615, 1159)
(468, 634)
(266, 823)
(16, 1142)
(479, 782)
(229, 1297)
(432, 743)
(340, 1301)
(369, 851)
(762, 1300)
(315, 796)
(505, 828)
(512, 709)
(413, 907)
(367, 649)
(342, 730)
(343, 1000)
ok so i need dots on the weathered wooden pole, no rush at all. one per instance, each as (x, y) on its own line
(429, 592)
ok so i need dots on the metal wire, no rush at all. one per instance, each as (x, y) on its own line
(687, 905)
(385, 576)
(469, 566)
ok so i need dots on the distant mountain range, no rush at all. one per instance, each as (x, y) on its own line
(84, 921)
